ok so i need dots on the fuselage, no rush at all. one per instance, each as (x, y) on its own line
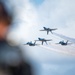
(41, 39)
(62, 43)
(31, 44)
(47, 29)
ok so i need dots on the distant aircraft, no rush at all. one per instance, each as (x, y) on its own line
(48, 30)
(64, 43)
(31, 44)
(43, 40)
(65, 37)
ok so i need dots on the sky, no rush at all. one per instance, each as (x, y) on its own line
(29, 16)
(37, 2)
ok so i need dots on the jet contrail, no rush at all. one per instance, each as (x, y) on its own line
(73, 46)
(67, 48)
(72, 53)
(65, 37)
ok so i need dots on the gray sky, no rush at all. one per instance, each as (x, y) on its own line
(29, 17)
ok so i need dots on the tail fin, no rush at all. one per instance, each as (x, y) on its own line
(47, 32)
(44, 27)
(46, 42)
(42, 42)
(51, 32)
(67, 41)
(35, 42)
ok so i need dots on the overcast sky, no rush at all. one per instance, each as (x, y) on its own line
(29, 17)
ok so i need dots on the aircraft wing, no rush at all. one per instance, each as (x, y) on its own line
(49, 40)
(25, 44)
(42, 30)
(65, 37)
(54, 29)
(37, 40)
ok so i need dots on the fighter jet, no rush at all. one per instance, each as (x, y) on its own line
(48, 30)
(64, 43)
(31, 44)
(43, 40)
(65, 37)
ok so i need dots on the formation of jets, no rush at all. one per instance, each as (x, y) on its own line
(45, 40)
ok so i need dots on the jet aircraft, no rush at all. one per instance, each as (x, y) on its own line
(48, 30)
(31, 44)
(43, 40)
(65, 37)
(64, 43)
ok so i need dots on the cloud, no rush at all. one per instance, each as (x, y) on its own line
(56, 14)
(24, 17)
(53, 14)
(60, 14)
(29, 20)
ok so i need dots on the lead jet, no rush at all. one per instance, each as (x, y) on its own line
(31, 44)
(48, 30)
(64, 43)
(43, 40)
